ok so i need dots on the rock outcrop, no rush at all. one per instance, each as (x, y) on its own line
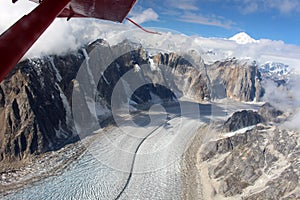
(242, 119)
(245, 118)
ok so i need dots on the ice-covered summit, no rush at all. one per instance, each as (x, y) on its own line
(278, 72)
(275, 68)
(243, 38)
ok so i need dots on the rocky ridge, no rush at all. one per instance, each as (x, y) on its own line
(35, 113)
(242, 119)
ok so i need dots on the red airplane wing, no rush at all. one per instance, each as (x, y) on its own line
(113, 10)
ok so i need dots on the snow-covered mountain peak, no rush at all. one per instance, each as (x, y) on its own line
(276, 71)
(279, 69)
(243, 38)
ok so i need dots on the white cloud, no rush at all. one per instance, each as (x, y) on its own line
(145, 16)
(262, 51)
(10, 13)
(277, 96)
(210, 21)
(293, 123)
(283, 6)
(187, 5)
(250, 8)
(62, 35)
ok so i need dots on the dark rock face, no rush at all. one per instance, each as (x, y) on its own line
(262, 163)
(34, 108)
(242, 119)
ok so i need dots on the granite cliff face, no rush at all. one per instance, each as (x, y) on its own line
(235, 79)
(34, 111)
(36, 98)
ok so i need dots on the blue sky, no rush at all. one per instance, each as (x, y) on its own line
(272, 19)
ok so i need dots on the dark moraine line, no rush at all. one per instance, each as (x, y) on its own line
(133, 160)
